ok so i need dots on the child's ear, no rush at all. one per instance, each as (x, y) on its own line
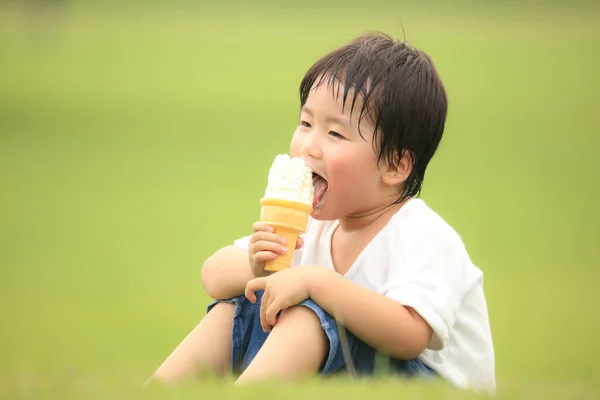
(398, 172)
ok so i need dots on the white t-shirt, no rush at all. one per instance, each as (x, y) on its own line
(420, 261)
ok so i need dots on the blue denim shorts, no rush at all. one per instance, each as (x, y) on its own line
(248, 337)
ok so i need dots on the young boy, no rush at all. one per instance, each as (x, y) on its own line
(374, 258)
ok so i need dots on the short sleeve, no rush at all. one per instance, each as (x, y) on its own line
(242, 243)
(431, 277)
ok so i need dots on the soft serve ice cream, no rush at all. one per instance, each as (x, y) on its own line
(290, 179)
(287, 204)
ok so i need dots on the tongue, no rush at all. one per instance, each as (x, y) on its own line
(320, 187)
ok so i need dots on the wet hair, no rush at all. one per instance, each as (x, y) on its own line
(402, 96)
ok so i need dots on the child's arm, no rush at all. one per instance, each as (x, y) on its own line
(226, 273)
(414, 310)
(377, 320)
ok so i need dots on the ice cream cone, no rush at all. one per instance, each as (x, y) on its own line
(289, 218)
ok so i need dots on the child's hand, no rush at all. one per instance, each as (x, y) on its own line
(265, 245)
(283, 290)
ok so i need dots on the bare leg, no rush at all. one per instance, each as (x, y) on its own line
(208, 346)
(296, 347)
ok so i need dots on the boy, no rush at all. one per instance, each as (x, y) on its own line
(374, 258)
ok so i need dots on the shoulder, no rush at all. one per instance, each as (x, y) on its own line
(417, 222)
(419, 236)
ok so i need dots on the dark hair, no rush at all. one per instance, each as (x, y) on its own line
(402, 94)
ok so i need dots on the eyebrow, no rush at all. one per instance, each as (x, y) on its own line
(337, 120)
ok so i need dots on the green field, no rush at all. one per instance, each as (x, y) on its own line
(135, 141)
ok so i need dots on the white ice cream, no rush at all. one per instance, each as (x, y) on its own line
(290, 179)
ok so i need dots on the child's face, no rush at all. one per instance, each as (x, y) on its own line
(329, 141)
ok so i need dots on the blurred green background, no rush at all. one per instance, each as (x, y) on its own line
(135, 139)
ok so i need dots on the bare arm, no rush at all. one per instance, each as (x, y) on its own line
(375, 319)
(226, 273)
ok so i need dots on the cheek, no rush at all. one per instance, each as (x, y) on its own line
(353, 172)
(295, 145)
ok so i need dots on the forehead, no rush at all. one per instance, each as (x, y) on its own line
(327, 97)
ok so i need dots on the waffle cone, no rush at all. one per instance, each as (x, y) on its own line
(289, 219)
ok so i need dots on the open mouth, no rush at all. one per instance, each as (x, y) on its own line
(320, 186)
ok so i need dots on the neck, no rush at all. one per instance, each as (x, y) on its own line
(376, 216)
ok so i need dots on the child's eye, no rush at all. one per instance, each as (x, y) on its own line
(336, 135)
(304, 123)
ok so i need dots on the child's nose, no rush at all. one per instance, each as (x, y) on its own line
(309, 149)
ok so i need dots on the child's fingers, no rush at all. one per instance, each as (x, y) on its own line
(268, 246)
(262, 226)
(252, 286)
(272, 311)
(299, 243)
(263, 256)
(266, 236)
(266, 300)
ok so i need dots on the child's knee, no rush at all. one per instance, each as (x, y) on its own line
(222, 308)
(301, 315)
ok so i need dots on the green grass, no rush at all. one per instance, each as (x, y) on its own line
(134, 143)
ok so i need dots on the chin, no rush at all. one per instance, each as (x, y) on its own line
(323, 215)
